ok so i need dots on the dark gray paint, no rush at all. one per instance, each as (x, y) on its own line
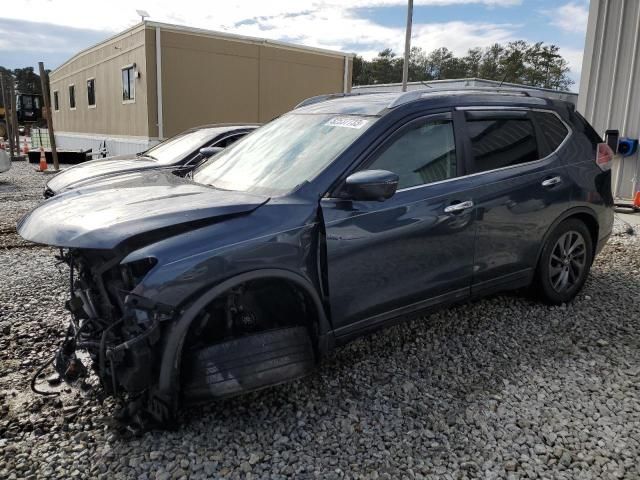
(362, 262)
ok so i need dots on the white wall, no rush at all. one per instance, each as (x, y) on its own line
(115, 145)
(610, 84)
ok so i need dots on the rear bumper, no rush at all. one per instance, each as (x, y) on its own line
(602, 241)
(605, 224)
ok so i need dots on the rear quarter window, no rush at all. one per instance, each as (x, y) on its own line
(553, 131)
(501, 142)
(581, 126)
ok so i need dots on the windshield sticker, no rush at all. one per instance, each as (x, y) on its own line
(347, 122)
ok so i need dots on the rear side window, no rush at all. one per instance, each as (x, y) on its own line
(553, 131)
(582, 126)
(424, 153)
(501, 142)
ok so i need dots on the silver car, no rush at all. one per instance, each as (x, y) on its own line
(5, 161)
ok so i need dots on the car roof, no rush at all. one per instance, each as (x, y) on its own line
(378, 103)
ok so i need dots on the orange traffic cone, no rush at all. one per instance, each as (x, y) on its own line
(636, 200)
(43, 160)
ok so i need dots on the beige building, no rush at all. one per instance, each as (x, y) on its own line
(155, 80)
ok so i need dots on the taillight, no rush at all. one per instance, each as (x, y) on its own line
(604, 156)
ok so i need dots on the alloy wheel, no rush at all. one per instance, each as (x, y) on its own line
(567, 261)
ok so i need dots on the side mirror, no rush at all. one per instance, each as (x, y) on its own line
(210, 151)
(370, 185)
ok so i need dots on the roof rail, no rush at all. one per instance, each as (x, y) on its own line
(330, 96)
(414, 95)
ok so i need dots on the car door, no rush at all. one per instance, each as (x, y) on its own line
(415, 249)
(519, 187)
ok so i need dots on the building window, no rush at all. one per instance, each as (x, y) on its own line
(91, 92)
(128, 86)
(56, 104)
(72, 97)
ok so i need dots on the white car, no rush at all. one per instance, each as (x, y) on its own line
(5, 161)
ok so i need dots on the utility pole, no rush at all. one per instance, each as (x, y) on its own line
(7, 118)
(407, 46)
(47, 106)
(14, 118)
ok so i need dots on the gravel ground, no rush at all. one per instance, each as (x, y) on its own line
(500, 388)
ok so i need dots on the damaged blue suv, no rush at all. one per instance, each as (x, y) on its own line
(346, 214)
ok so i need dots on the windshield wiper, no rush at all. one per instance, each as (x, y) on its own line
(146, 155)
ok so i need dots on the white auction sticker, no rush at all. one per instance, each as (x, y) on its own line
(347, 122)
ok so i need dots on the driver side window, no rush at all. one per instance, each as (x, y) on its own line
(424, 153)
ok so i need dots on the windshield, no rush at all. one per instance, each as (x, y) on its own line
(283, 154)
(176, 148)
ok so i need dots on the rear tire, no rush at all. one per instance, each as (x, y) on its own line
(565, 262)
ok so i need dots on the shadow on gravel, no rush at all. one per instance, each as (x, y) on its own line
(410, 387)
(8, 187)
(427, 390)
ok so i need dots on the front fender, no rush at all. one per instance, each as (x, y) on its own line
(193, 262)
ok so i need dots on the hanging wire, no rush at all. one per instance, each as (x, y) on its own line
(37, 374)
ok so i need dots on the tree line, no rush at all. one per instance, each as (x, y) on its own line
(534, 64)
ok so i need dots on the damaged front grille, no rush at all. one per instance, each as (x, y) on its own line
(118, 329)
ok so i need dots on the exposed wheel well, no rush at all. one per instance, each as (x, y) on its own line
(167, 392)
(253, 306)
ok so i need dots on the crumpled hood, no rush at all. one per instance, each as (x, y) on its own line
(105, 213)
(98, 168)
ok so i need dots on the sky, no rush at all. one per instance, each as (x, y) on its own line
(53, 30)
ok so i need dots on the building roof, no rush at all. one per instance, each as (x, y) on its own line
(205, 33)
(244, 38)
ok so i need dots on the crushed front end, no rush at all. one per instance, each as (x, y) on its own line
(119, 330)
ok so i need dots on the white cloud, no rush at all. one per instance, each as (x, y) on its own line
(460, 36)
(115, 15)
(333, 24)
(339, 29)
(574, 57)
(571, 17)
